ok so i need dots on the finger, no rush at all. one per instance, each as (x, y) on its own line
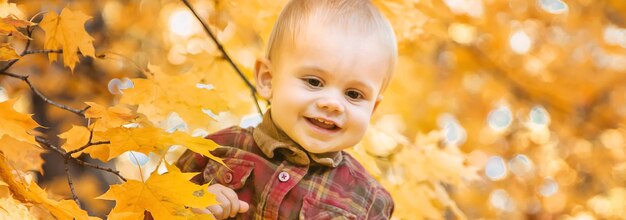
(224, 205)
(216, 211)
(234, 202)
(243, 206)
(204, 211)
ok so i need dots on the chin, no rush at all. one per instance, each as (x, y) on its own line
(316, 149)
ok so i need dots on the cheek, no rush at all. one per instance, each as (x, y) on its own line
(359, 121)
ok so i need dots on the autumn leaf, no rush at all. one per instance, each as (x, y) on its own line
(31, 192)
(15, 124)
(9, 26)
(162, 94)
(77, 137)
(152, 139)
(166, 196)
(7, 52)
(111, 117)
(22, 155)
(13, 209)
(7, 9)
(67, 32)
(144, 140)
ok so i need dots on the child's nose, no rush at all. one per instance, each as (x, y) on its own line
(330, 104)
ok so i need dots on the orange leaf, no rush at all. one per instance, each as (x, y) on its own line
(67, 32)
(15, 124)
(9, 25)
(31, 192)
(21, 155)
(162, 94)
(78, 136)
(7, 52)
(166, 196)
(111, 117)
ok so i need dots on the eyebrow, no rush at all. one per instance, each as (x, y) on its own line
(316, 69)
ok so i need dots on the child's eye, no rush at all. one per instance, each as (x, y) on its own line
(313, 82)
(354, 94)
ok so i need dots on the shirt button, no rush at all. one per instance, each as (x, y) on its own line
(283, 176)
(228, 177)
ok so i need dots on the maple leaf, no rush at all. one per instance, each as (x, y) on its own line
(9, 25)
(111, 117)
(15, 124)
(7, 9)
(66, 32)
(166, 196)
(77, 137)
(22, 155)
(144, 140)
(13, 209)
(162, 94)
(152, 139)
(7, 52)
(31, 192)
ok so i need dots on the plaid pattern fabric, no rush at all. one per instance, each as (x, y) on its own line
(280, 187)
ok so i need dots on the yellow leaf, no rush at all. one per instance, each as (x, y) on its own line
(64, 209)
(78, 136)
(13, 209)
(167, 196)
(67, 32)
(144, 140)
(7, 9)
(15, 124)
(7, 52)
(162, 94)
(111, 117)
(21, 155)
(31, 192)
(153, 139)
(196, 144)
(9, 25)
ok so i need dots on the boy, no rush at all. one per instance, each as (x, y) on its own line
(327, 64)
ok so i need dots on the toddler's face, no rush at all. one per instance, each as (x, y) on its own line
(324, 89)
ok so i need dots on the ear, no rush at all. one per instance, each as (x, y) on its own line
(263, 77)
(380, 98)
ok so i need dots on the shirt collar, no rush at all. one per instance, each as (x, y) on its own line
(272, 140)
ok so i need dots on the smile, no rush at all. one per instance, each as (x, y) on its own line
(323, 124)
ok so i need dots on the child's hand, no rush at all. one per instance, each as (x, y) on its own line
(229, 205)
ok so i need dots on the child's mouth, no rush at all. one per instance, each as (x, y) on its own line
(324, 124)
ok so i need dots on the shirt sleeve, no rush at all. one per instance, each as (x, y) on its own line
(382, 205)
(192, 162)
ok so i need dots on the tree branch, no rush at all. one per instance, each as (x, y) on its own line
(69, 180)
(38, 93)
(221, 48)
(26, 52)
(44, 142)
(95, 166)
(88, 145)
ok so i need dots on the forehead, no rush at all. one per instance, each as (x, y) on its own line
(338, 48)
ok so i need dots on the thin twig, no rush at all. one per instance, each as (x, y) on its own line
(47, 144)
(100, 168)
(221, 48)
(29, 32)
(88, 145)
(38, 93)
(40, 51)
(69, 181)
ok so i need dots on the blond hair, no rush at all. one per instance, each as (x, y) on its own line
(353, 15)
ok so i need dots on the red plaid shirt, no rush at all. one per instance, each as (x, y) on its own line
(282, 181)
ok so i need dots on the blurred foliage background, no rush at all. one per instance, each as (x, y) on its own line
(499, 109)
